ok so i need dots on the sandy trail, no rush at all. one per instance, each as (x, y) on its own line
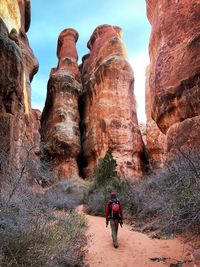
(134, 249)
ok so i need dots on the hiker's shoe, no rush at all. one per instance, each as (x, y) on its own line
(115, 246)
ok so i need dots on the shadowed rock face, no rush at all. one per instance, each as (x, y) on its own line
(36, 116)
(175, 71)
(155, 139)
(60, 133)
(175, 60)
(183, 137)
(18, 65)
(107, 107)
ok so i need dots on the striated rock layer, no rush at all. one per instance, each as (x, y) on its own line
(60, 133)
(175, 70)
(107, 107)
(155, 139)
(18, 65)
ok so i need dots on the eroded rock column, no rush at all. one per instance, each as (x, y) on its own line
(108, 107)
(60, 135)
(175, 71)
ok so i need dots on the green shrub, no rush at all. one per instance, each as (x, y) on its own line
(106, 171)
(104, 181)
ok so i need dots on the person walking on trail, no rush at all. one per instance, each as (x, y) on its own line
(114, 215)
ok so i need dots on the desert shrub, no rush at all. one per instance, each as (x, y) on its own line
(170, 198)
(71, 242)
(32, 231)
(65, 194)
(104, 181)
(38, 239)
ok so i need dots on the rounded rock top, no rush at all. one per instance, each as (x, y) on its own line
(101, 30)
(68, 32)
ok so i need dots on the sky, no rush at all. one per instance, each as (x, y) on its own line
(50, 17)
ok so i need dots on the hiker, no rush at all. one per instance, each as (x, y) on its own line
(114, 215)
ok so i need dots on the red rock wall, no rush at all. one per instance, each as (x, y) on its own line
(175, 61)
(36, 117)
(184, 136)
(175, 70)
(155, 139)
(18, 65)
(60, 133)
(108, 107)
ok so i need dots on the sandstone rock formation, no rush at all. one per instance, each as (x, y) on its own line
(155, 139)
(175, 70)
(60, 133)
(183, 137)
(143, 130)
(107, 107)
(36, 117)
(18, 65)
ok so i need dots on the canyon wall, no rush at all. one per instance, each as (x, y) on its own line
(18, 66)
(36, 117)
(155, 139)
(107, 106)
(175, 71)
(60, 135)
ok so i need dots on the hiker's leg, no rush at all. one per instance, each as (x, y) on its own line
(116, 225)
(114, 233)
(116, 230)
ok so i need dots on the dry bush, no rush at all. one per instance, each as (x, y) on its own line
(38, 238)
(66, 194)
(95, 203)
(32, 233)
(170, 197)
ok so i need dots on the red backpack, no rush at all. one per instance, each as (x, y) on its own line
(114, 209)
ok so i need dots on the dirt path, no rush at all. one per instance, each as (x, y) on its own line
(134, 249)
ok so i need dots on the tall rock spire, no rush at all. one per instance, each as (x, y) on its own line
(60, 118)
(108, 108)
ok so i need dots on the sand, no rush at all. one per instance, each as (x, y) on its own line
(135, 249)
